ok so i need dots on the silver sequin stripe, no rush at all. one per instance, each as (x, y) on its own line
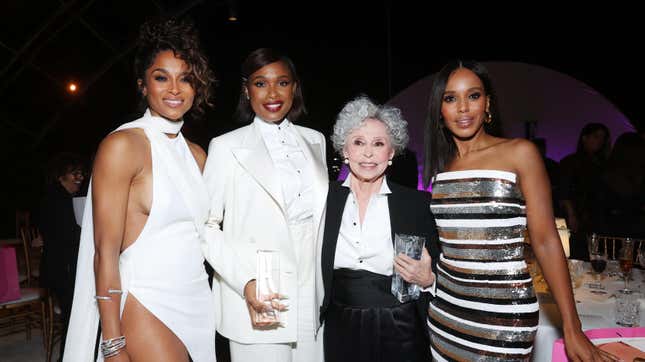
(476, 188)
(503, 252)
(516, 290)
(495, 333)
(461, 354)
(483, 208)
(483, 269)
(482, 233)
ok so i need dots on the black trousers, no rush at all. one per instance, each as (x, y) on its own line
(365, 322)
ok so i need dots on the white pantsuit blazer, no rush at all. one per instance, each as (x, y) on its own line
(247, 213)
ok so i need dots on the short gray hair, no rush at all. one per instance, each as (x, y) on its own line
(354, 114)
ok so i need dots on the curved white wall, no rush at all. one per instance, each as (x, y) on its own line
(560, 104)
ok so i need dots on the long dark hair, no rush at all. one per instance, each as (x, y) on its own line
(181, 37)
(256, 60)
(589, 128)
(626, 155)
(440, 147)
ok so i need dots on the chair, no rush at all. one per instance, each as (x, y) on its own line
(54, 325)
(25, 313)
(23, 218)
(30, 310)
(31, 254)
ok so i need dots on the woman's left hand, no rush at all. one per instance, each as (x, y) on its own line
(418, 272)
(579, 348)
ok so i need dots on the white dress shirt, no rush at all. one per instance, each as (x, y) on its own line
(366, 246)
(292, 167)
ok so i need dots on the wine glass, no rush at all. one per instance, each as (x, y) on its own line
(626, 259)
(597, 256)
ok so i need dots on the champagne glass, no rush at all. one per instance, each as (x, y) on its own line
(267, 286)
(626, 259)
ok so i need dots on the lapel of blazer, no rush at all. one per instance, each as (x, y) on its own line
(335, 206)
(314, 154)
(254, 157)
(396, 209)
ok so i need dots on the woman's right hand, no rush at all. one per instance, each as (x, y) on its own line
(257, 307)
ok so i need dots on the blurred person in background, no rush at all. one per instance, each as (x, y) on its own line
(580, 177)
(60, 232)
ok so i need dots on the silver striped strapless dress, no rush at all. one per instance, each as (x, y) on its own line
(485, 308)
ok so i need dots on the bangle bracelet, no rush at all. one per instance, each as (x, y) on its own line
(113, 346)
(110, 291)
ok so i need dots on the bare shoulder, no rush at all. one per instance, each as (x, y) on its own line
(523, 149)
(129, 142)
(524, 156)
(516, 149)
(122, 151)
(198, 152)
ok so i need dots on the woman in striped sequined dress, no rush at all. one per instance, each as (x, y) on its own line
(486, 191)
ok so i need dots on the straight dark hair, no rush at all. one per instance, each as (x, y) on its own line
(440, 147)
(589, 128)
(253, 62)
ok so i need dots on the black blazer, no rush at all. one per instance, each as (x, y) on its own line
(61, 236)
(409, 214)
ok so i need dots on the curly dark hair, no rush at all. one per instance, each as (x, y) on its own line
(182, 38)
(63, 163)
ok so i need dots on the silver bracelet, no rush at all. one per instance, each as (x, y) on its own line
(110, 291)
(113, 346)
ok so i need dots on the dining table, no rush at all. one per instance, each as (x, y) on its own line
(594, 295)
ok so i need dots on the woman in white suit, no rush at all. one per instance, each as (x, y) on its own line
(268, 185)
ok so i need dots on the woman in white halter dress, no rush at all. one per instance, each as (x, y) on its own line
(140, 263)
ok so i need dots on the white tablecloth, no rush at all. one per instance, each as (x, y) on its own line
(595, 311)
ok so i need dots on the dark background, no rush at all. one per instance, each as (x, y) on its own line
(341, 49)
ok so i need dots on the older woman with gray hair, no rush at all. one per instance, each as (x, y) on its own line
(363, 320)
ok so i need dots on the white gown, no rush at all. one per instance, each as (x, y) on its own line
(164, 267)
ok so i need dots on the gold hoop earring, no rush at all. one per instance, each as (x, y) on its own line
(489, 117)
